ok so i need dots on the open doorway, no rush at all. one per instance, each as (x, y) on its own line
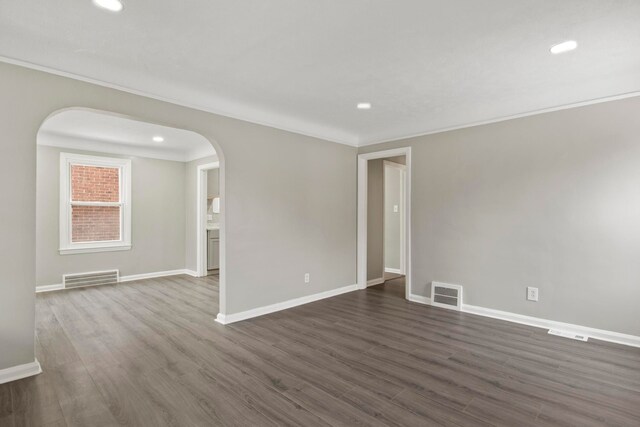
(208, 222)
(116, 202)
(384, 213)
(394, 176)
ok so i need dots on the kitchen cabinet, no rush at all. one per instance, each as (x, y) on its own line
(213, 249)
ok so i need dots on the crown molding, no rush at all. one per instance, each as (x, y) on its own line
(398, 137)
(309, 129)
(241, 113)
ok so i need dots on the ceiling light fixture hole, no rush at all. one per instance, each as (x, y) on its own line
(110, 5)
(564, 47)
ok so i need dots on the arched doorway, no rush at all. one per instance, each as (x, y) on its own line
(156, 246)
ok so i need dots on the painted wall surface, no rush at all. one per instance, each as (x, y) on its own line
(213, 183)
(157, 220)
(285, 217)
(213, 191)
(392, 219)
(375, 220)
(401, 160)
(551, 200)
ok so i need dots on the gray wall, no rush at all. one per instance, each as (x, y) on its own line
(157, 220)
(213, 187)
(213, 191)
(375, 220)
(551, 200)
(401, 160)
(392, 223)
(290, 200)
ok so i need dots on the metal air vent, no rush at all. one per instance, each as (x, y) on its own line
(567, 334)
(90, 279)
(446, 296)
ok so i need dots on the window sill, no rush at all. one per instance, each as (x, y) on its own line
(91, 249)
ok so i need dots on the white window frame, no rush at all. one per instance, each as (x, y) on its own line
(68, 247)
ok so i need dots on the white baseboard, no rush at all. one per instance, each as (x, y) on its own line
(21, 371)
(48, 288)
(393, 270)
(599, 334)
(226, 319)
(130, 278)
(373, 282)
(190, 273)
(419, 299)
(153, 275)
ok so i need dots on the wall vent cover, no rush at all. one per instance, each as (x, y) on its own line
(570, 335)
(94, 278)
(446, 295)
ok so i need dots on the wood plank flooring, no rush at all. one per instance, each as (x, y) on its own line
(149, 353)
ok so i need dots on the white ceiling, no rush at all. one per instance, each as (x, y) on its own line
(425, 65)
(106, 133)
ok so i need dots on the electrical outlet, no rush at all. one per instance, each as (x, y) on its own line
(307, 277)
(532, 293)
(395, 208)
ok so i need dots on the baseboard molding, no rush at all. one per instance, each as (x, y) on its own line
(393, 270)
(190, 273)
(21, 371)
(130, 278)
(48, 288)
(598, 334)
(373, 282)
(419, 299)
(153, 275)
(226, 319)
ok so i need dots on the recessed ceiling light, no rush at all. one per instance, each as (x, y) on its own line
(564, 47)
(158, 139)
(364, 106)
(111, 5)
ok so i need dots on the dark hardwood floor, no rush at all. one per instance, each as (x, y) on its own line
(149, 353)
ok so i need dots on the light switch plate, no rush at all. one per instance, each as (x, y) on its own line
(395, 208)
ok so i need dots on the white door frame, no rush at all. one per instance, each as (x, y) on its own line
(403, 204)
(363, 170)
(201, 221)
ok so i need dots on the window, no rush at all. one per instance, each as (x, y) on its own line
(95, 204)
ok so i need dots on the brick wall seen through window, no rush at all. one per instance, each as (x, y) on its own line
(95, 184)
